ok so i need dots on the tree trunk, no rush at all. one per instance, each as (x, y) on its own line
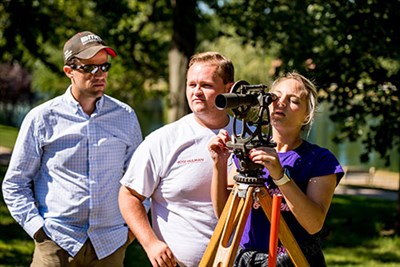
(183, 46)
(177, 96)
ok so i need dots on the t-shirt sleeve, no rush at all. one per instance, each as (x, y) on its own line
(327, 164)
(142, 173)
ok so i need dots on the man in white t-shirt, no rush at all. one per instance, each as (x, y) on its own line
(173, 167)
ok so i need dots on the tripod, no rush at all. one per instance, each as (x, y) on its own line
(250, 186)
(225, 240)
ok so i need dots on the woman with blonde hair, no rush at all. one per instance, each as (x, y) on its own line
(305, 174)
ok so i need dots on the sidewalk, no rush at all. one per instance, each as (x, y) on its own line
(5, 154)
(379, 183)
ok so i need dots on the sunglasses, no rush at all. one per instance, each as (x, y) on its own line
(92, 68)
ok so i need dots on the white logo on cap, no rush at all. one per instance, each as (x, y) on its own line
(67, 54)
(90, 38)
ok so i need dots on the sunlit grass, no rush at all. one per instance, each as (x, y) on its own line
(359, 228)
(8, 135)
(16, 252)
(383, 251)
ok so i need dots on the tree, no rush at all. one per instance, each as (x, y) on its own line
(349, 47)
(15, 89)
(357, 73)
(182, 47)
(33, 34)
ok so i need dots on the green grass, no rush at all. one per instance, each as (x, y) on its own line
(358, 228)
(361, 232)
(8, 135)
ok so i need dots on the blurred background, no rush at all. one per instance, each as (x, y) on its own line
(349, 48)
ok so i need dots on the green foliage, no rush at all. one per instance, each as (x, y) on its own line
(252, 63)
(349, 47)
(138, 30)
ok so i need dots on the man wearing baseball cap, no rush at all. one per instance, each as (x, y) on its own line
(63, 178)
(85, 45)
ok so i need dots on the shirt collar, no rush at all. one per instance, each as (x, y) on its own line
(99, 104)
(71, 100)
(75, 104)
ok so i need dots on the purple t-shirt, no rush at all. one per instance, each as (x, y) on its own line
(302, 164)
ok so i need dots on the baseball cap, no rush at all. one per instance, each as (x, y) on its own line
(85, 45)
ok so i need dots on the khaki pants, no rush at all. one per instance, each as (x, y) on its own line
(48, 254)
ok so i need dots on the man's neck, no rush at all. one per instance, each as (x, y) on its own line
(216, 122)
(88, 104)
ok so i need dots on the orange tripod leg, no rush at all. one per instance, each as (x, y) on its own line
(274, 231)
(285, 235)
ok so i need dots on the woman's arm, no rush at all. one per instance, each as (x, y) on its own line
(219, 153)
(310, 209)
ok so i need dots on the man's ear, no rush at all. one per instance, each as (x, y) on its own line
(228, 87)
(68, 71)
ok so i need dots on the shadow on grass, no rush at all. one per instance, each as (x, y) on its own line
(16, 246)
(357, 227)
(353, 220)
(136, 256)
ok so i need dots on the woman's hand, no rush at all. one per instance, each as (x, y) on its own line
(267, 157)
(220, 154)
(217, 147)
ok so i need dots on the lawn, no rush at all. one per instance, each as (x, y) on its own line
(359, 235)
(8, 135)
(359, 231)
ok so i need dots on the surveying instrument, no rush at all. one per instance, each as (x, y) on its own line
(249, 103)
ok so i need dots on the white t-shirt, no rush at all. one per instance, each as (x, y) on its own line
(174, 168)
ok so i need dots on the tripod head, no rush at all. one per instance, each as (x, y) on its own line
(249, 103)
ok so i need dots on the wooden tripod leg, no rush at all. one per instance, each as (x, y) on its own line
(222, 248)
(209, 254)
(285, 235)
